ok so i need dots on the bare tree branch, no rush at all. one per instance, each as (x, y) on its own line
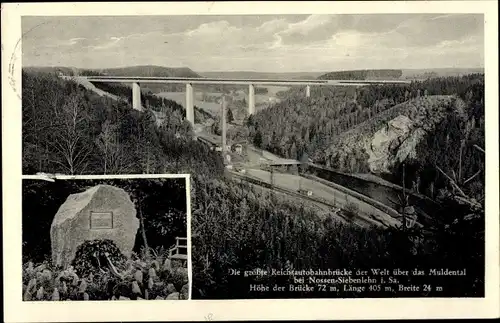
(472, 177)
(479, 148)
(452, 182)
(68, 140)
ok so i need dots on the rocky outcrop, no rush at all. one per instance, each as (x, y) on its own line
(391, 136)
(398, 139)
(395, 142)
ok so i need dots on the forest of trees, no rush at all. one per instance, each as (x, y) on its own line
(329, 123)
(298, 124)
(68, 129)
(148, 98)
(235, 227)
(362, 75)
(454, 146)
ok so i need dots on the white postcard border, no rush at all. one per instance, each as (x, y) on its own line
(18, 311)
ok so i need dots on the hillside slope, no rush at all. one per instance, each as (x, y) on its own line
(140, 70)
(362, 75)
(391, 136)
(158, 104)
(262, 75)
(439, 72)
(150, 71)
(159, 116)
(91, 87)
(408, 74)
(105, 135)
(416, 130)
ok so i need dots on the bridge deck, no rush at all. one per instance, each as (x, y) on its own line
(187, 80)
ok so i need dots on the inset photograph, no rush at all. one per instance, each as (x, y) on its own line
(94, 238)
(331, 155)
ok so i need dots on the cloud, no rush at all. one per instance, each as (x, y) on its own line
(74, 41)
(265, 43)
(310, 24)
(210, 29)
(313, 28)
(272, 26)
(424, 31)
(471, 42)
(112, 42)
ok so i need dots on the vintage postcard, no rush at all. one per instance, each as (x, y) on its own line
(257, 160)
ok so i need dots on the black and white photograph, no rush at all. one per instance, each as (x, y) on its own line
(353, 166)
(105, 239)
(213, 152)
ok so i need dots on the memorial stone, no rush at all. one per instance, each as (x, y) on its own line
(101, 212)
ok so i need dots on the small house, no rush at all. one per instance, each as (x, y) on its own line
(207, 142)
(305, 192)
(238, 148)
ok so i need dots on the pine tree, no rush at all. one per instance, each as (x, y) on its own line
(257, 139)
(229, 116)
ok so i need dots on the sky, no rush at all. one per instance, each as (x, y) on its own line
(264, 43)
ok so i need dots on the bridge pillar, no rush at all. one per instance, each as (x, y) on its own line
(189, 103)
(308, 91)
(136, 97)
(251, 99)
(223, 105)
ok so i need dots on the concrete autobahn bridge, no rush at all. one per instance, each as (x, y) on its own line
(136, 82)
(251, 83)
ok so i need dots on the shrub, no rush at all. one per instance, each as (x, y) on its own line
(351, 210)
(141, 278)
(90, 256)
